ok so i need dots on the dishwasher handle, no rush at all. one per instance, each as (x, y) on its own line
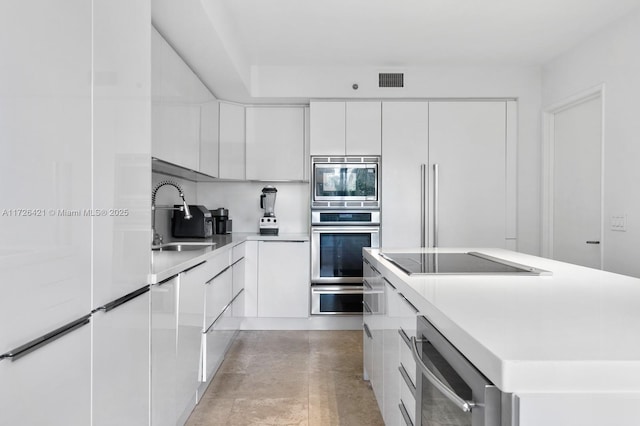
(449, 393)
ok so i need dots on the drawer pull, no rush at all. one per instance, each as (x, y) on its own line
(407, 379)
(405, 414)
(366, 330)
(389, 282)
(405, 337)
(409, 303)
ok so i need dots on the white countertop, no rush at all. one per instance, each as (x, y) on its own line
(166, 264)
(577, 330)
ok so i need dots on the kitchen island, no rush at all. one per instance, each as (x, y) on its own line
(564, 344)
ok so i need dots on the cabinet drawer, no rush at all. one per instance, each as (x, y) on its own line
(408, 400)
(217, 296)
(237, 252)
(407, 361)
(216, 264)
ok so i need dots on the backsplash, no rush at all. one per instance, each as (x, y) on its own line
(243, 201)
(168, 196)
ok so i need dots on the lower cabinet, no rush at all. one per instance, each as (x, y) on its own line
(283, 279)
(194, 319)
(51, 385)
(164, 329)
(389, 324)
(121, 364)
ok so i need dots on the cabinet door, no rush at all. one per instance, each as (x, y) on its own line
(283, 279)
(45, 129)
(328, 125)
(391, 356)
(467, 140)
(209, 138)
(176, 114)
(238, 288)
(404, 150)
(164, 312)
(218, 296)
(121, 364)
(121, 149)
(232, 141)
(275, 143)
(191, 310)
(56, 377)
(363, 128)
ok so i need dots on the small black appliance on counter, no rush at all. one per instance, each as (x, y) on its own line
(199, 226)
(221, 222)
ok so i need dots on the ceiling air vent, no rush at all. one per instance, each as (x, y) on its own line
(390, 80)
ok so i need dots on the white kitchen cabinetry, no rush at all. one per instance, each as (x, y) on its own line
(232, 141)
(363, 128)
(275, 143)
(121, 366)
(218, 296)
(175, 113)
(345, 128)
(470, 196)
(191, 312)
(374, 304)
(239, 263)
(209, 138)
(178, 97)
(164, 328)
(328, 124)
(283, 283)
(390, 321)
(56, 376)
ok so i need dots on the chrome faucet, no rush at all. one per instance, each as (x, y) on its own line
(157, 238)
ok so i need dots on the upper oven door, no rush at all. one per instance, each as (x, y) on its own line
(336, 252)
(345, 184)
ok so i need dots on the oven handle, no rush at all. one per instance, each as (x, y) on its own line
(336, 290)
(465, 406)
(345, 229)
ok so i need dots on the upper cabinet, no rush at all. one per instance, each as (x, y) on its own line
(209, 138)
(232, 141)
(346, 128)
(178, 95)
(275, 143)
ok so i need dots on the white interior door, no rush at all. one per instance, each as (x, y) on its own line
(577, 182)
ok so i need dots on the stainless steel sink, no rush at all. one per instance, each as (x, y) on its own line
(183, 246)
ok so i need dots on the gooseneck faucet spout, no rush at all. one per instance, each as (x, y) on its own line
(157, 238)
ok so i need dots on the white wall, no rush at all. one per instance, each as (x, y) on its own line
(611, 57)
(243, 201)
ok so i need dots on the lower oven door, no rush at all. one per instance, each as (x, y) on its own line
(336, 253)
(336, 300)
(449, 389)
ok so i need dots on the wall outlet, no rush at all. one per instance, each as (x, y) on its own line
(619, 222)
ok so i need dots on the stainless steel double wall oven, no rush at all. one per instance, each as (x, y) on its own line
(345, 217)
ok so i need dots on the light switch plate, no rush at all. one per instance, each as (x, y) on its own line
(619, 222)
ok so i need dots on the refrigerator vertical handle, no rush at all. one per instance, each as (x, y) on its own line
(435, 204)
(423, 195)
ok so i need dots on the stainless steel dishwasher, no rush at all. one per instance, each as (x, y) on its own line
(450, 390)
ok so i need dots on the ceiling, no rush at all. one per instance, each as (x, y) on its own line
(250, 34)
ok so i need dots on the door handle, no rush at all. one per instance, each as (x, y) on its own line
(593, 242)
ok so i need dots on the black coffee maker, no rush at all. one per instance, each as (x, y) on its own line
(221, 221)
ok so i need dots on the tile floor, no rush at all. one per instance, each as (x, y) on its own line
(298, 378)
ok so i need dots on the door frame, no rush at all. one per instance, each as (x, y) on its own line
(548, 136)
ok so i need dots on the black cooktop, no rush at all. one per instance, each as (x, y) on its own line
(470, 263)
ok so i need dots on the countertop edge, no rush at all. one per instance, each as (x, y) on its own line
(199, 256)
